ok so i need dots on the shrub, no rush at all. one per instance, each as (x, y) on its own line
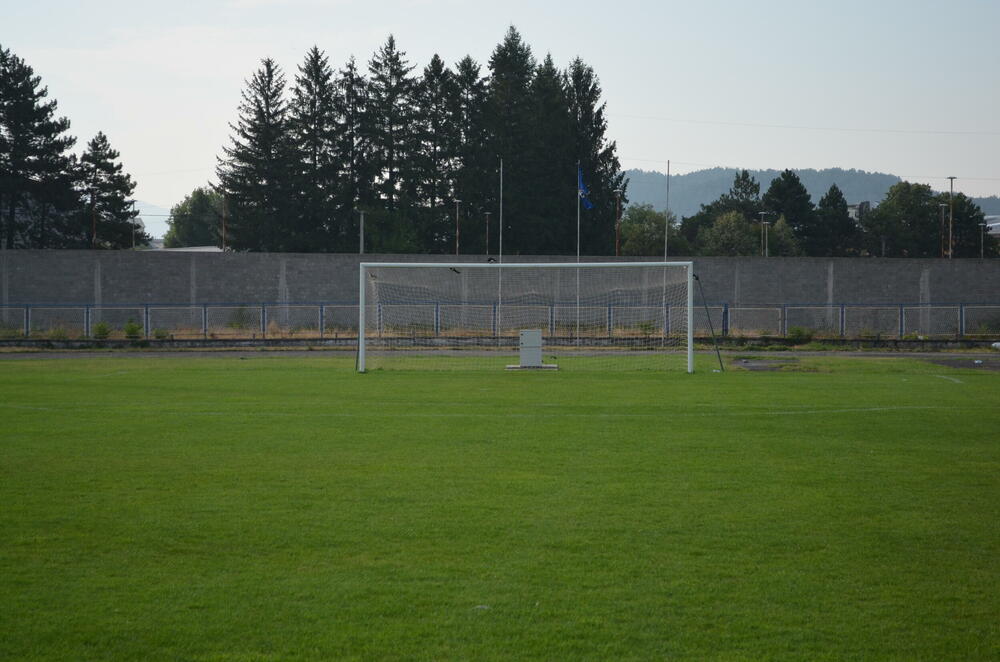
(58, 333)
(799, 335)
(100, 331)
(161, 334)
(133, 330)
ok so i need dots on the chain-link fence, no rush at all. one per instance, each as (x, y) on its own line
(340, 320)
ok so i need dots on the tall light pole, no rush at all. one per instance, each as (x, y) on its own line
(618, 222)
(951, 217)
(487, 233)
(942, 206)
(982, 238)
(763, 232)
(457, 228)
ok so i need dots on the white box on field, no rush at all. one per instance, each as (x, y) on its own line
(531, 348)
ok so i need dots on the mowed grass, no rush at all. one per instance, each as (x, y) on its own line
(276, 508)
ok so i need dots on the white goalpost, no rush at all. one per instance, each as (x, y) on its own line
(589, 315)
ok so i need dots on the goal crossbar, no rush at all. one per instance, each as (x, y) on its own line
(513, 266)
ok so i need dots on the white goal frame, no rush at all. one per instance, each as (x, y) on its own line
(688, 266)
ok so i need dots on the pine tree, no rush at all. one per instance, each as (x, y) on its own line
(474, 164)
(436, 97)
(313, 130)
(353, 153)
(905, 224)
(743, 197)
(255, 175)
(107, 192)
(37, 200)
(837, 234)
(789, 198)
(597, 156)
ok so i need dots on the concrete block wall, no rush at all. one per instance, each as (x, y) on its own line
(141, 277)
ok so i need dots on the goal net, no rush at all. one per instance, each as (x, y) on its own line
(605, 316)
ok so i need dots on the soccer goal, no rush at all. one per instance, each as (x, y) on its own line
(604, 315)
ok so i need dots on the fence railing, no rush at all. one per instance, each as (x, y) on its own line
(340, 320)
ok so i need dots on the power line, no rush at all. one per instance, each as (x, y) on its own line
(794, 127)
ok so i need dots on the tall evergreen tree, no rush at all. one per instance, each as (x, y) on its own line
(836, 232)
(789, 198)
(255, 173)
(509, 108)
(107, 189)
(313, 130)
(434, 160)
(475, 166)
(36, 181)
(391, 102)
(597, 155)
(353, 153)
(550, 163)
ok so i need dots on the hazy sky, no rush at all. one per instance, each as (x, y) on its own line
(910, 88)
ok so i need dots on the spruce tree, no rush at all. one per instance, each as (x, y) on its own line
(551, 165)
(313, 131)
(37, 199)
(255, 173)
(106, 189)
(391, 103)
(353, 153)
(509, 108)
(597, 155)
(434, 160)
(475, 166)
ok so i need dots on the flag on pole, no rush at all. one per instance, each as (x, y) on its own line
(582, 189)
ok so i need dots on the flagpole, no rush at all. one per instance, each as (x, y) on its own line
(579, 180)
(500, 271)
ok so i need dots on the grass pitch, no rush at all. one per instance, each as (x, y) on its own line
(279, 508)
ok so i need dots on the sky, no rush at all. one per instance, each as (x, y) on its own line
(908, 88)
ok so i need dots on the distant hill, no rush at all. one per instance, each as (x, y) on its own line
(689, 191)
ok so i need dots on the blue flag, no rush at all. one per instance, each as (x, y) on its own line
(582, 190)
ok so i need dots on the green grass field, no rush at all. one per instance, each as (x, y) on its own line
(283, 508)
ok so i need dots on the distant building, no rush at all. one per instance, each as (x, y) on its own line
(859, 211)
(993, 226)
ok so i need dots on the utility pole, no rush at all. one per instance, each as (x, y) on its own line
(225, 212)
(942, 206)
(951, 217)
(618, 222)
(982, 238)
(666, 220)
(487, 233)
(133, 225)
(457, 227)
(93, 221)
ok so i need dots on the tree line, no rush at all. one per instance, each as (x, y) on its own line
(911, 221)
(413, 150)
(49, 196)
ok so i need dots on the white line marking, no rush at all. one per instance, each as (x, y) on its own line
(950, 379)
